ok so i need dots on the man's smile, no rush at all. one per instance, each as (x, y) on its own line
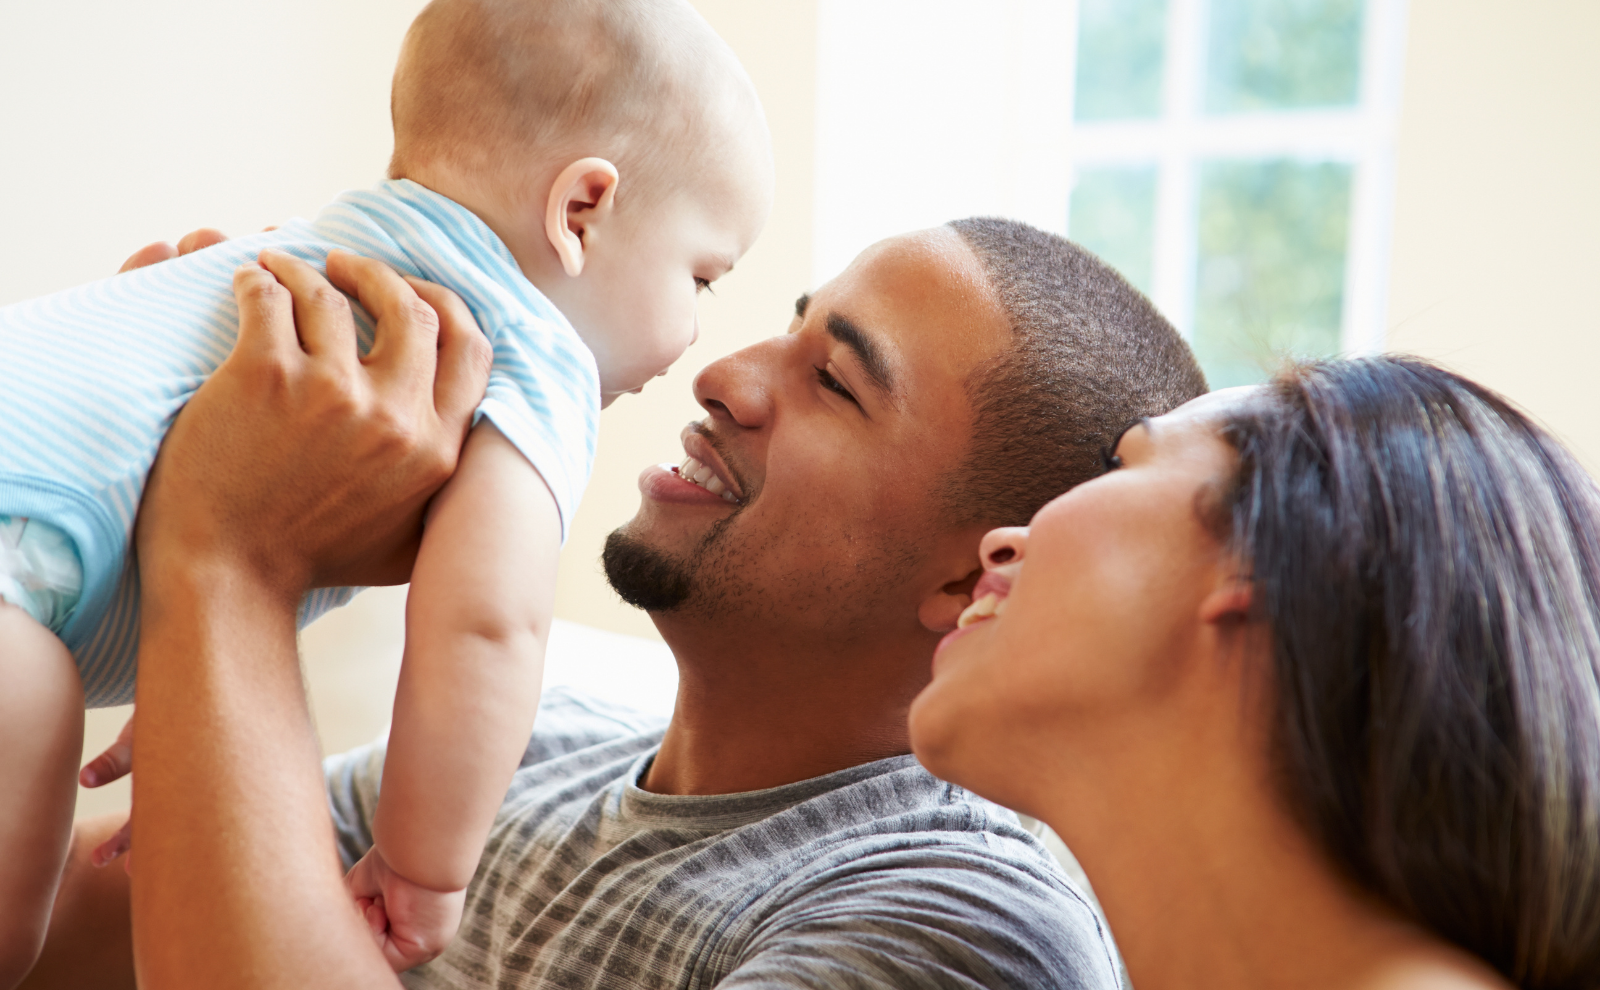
(705, 466)
(703, 478)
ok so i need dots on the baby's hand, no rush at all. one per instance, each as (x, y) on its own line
(411, 924)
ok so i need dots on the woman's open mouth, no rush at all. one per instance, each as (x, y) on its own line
(988, 599)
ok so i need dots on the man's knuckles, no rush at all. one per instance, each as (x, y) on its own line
(478, 352)
(254, 284)
(419, 317)
(326, 300)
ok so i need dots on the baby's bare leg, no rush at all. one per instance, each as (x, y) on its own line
(41, 737)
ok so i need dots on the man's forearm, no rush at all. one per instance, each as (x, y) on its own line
(235, 879)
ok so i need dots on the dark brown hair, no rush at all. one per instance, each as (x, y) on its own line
(1089, 356)
(1427, 559)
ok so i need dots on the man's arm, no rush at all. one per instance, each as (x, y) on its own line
(297, 464)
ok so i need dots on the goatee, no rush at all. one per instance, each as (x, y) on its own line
(644, 576)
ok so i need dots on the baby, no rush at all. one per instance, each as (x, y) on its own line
(577, 171)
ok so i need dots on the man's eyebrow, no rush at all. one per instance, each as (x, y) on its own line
(866, 351)
(801, 304)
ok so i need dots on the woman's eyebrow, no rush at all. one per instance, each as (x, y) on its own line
(1144, 421)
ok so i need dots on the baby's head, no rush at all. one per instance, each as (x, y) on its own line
(616, 146)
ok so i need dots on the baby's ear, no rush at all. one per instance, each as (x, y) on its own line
(581, 199)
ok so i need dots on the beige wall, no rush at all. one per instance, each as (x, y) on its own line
(1496, 257)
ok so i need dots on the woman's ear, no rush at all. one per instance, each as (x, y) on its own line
(1230, 601)
(940, 610)
(582, 197)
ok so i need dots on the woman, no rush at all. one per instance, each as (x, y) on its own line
(1308, 682)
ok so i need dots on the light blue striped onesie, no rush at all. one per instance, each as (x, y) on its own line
(91, 378)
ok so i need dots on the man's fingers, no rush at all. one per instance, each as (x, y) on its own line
(113, 847)
(113, 764)
(406, 335)
(464, 355)
(148, 255)
(196, 240)
(266, 326)
(321, 312)
(193, 241)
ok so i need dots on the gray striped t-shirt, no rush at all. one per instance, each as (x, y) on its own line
(877, 876)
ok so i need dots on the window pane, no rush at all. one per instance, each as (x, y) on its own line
(1270, 282)
(1114, 215)
(1275, 54)
(1120, 48)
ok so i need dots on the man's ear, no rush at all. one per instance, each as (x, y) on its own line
(1231, 601)
(583, 195)
(940, 610)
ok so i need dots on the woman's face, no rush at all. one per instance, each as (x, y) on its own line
(1098, 612)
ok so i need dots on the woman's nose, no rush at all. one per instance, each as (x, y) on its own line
(1001, 547)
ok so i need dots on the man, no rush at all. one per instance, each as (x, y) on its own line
(948, 382)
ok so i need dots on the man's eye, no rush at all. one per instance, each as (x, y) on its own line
(832, 384)
(701, 284)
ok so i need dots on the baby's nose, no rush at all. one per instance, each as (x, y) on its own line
(1003, 547)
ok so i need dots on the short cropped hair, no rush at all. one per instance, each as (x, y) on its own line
(489, 85)
(1089, 356)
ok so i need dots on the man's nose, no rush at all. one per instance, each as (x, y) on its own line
(739, 387)
(1001, 547)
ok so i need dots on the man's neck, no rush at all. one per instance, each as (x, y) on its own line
(755, 712)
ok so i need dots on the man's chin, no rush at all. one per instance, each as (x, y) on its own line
(643, 575)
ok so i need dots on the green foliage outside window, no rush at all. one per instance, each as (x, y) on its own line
(1270, 280)
(1114, 215)
(1282, 54)
(1121, 48)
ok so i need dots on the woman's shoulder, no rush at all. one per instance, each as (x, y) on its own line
(1428, 963)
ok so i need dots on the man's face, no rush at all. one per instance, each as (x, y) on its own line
(834, 439)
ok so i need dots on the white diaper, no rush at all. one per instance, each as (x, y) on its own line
(39, 570)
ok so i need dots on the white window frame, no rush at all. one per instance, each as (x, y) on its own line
(1182, 137)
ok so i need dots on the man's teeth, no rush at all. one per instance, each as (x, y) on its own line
(987, 607)
(693, 470)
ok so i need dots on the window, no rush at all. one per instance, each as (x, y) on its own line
(1233, 159)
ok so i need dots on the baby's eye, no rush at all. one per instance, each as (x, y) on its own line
(1109, 461)
(701, 284)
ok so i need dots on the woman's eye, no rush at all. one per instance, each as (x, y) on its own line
(1109, 461)
(832, 384)
(701, 284)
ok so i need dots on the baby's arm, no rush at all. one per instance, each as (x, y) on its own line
(476, 623)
